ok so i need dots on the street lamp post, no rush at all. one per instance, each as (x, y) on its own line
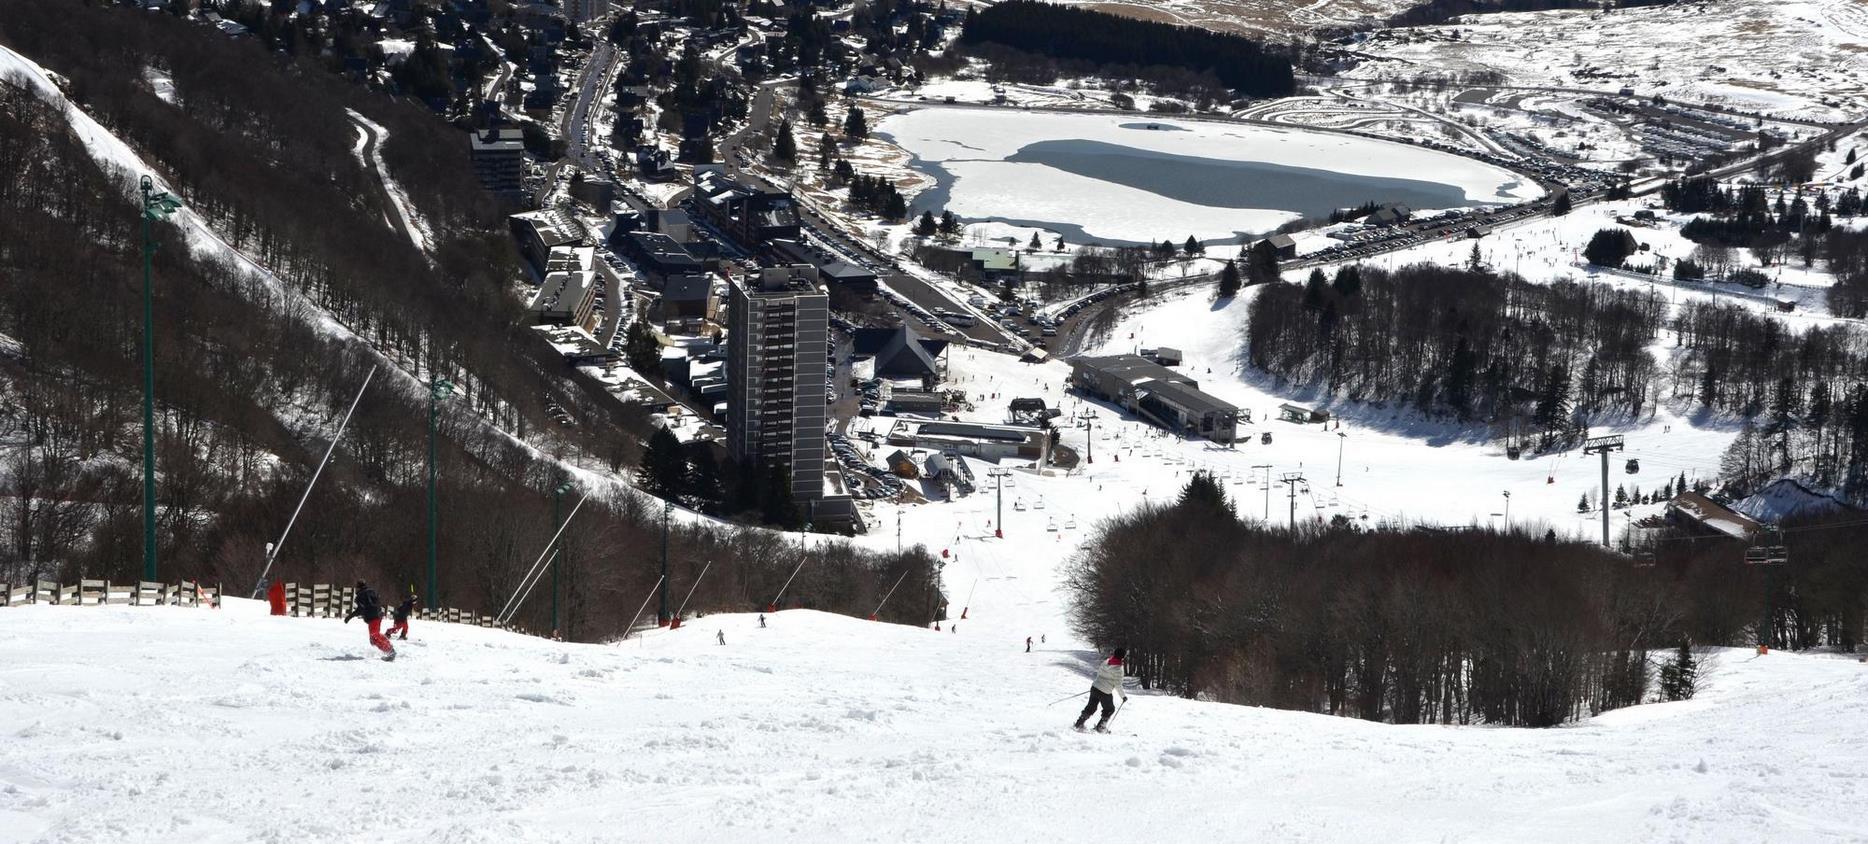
(998, 525)
(1507, 511)
(438, 389)
(1340, 439)
(157, 205)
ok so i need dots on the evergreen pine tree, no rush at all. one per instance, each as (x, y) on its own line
(1561, 206)
(642, 350)
(664, 470)
(856, 124)
(1316, 291)
(1229, 280)
(1059, 245)
(1203, 491)
(1621, 497)
(1582, 504)
(703, 481)
(1348, 282)
(785, 147)
(1035, 244)
(1679, 678)
(1261, 263)
(1192, 247)
(776, 505)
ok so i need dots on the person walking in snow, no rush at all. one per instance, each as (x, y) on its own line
(402, 613)
(761, 621)
(370, 608)
(1103, 690)
(720, 636)
(1027, 644)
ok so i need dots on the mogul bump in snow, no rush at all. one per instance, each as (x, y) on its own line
(402, 613)
(1103, 690)
(370, 608)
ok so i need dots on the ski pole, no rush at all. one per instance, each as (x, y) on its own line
(1112, 715)
(1062, 699)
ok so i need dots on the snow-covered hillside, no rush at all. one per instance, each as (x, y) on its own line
(168, 724)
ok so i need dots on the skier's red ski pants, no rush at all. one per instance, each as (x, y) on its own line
(399, 627)
(377, 638)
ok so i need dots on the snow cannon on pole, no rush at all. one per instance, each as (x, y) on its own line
(889, 594)
(645, 605)
(676, 620)
(518, 595)
(773, 607)
(273, 548)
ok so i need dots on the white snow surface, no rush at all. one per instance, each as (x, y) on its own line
(973, 143)
(174, 724)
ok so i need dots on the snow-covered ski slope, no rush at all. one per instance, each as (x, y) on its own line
(168, 724)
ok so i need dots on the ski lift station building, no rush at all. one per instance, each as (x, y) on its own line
(1700, 514)
(972, 439)
(1299, 413)
(1156, 393)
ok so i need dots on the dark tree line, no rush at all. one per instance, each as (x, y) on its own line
(1464, 343)
(1392, 625)
(250, 381)
(1543, 357)
(1434, 12)
(1069, 32)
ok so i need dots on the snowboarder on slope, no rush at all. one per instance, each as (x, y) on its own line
(1103, 689)
(370, 608)
(402, 613)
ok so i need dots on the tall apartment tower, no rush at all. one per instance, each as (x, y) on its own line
(779, 326)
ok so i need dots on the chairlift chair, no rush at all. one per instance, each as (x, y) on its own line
(1038, 504)
(1018, 504)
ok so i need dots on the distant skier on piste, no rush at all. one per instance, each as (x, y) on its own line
(402, 613)
(1103, 690)
(370, 608)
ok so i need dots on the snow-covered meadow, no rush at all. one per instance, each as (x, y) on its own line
(973, 145)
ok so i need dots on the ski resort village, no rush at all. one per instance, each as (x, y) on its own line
(933, 420)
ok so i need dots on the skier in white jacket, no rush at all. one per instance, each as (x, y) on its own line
(1103, 690)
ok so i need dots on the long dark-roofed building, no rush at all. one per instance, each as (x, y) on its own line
(1155, 392)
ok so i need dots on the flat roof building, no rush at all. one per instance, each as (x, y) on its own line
(659, 255)
(499, 162)
(1154, 392)
(973, 439)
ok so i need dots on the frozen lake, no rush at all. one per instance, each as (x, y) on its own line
(1118, 179)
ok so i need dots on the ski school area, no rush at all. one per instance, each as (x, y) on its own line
(202, 724)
